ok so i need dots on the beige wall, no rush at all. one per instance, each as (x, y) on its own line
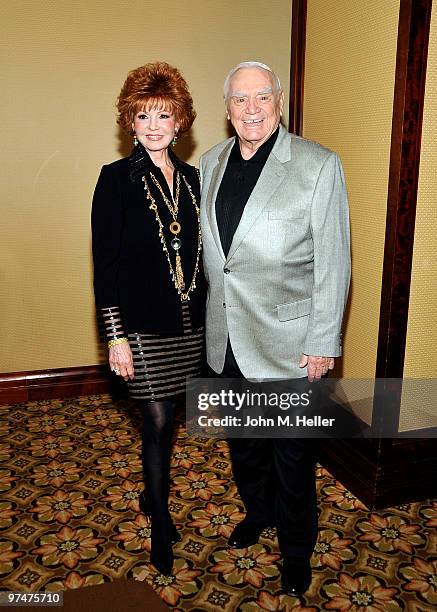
(349, 81)
(64, 63)
(421, 352)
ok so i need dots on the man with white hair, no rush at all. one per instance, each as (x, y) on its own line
(275, 229)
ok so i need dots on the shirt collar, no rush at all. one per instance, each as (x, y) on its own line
(261, 155)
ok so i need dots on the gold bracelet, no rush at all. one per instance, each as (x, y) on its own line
(116, 341)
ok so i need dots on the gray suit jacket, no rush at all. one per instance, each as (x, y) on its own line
(283, 287)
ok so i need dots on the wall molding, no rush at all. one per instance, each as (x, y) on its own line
(406, 138)
(17, 387)
(384, 472)
(297, 65)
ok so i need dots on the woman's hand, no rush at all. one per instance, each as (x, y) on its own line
(120, 360)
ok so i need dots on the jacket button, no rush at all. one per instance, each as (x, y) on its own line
(224, 304)
(226, 270)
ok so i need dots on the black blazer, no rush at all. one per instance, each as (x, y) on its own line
(131, 271)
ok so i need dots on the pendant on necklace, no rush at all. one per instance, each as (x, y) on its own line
(175, 228)
(176, 244)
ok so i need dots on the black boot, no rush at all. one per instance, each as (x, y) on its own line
(296, 575)
(161, 555)
(157, 432)
(175, 536)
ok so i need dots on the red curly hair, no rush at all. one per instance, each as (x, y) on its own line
(155, 85)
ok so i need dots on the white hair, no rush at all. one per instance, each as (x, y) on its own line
(275, 77)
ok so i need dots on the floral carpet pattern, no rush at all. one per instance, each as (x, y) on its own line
(70, 478)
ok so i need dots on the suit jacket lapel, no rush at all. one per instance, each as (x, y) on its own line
(269, 180)
(216, 179)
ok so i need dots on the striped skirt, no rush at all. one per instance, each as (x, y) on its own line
(163, 363)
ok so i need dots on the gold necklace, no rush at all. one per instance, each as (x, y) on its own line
(175, 227)
(172, 207)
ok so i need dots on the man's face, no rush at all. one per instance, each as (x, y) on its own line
(254, 105)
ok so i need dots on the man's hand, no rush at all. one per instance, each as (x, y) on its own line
(317, 366)
(120, 360)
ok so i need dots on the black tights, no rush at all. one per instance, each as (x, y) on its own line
(157, 434)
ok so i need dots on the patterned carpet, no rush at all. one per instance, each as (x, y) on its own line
(70, 477)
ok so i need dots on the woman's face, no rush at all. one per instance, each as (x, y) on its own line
(155, 128)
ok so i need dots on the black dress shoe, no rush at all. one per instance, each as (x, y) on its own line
(175, 536)
(296, 575)
(245, 534)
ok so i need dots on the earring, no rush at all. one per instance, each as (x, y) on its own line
(135, 140)
(175, 139)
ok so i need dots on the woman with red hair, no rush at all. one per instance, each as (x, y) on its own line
(149, 288)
